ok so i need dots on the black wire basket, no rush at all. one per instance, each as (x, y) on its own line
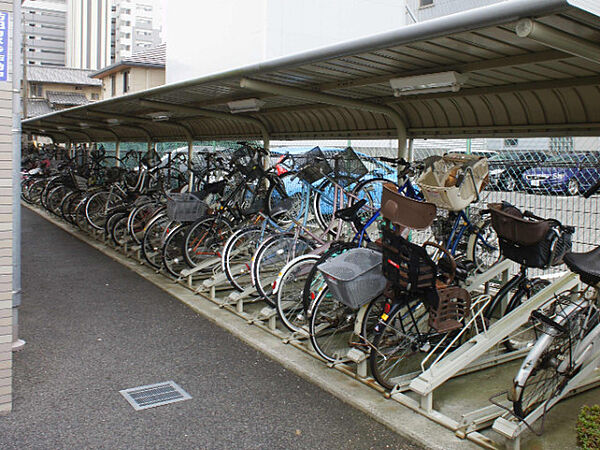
(185, 207)
(312, 165)
(247, 162)
(348, 164)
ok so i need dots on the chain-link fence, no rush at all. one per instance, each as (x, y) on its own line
(547, 176)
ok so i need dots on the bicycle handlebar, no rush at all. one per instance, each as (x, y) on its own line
(591, 191)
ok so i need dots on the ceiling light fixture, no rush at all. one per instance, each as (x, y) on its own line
(428, 84)
(159, 116)
(246, 105)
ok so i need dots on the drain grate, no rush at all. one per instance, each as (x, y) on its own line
(144, 397)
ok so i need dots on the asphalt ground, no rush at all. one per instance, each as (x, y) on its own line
(93, 328)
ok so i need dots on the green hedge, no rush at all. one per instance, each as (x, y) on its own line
(588, 428)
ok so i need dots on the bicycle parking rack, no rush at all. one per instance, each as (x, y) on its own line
(511, 428)
(474, 355)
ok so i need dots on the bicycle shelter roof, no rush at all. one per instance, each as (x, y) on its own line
(532, 67)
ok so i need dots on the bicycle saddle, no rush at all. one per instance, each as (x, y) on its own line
(350, 213)
(586, 265)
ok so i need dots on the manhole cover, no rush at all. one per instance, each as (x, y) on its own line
(144, 397)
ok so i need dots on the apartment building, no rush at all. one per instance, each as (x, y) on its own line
(44, 32)
(53, 88)
(88, 34)
(143, 70)
(421, 10)
(136, 27)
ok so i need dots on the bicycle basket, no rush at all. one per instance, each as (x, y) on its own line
(79, 181)
(348, 164)
(312, 165)
(453, 181)
(355, 277)
(527, 239)
(247, 162)
(185, 207)
(405, 212)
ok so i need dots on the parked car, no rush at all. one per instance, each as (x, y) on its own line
(485, 153)
(506, 168)
(570, 174)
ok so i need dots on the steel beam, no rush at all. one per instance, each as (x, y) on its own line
(558, 40)
(319, 97)
(207, 113)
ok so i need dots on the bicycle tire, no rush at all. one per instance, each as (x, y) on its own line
(98, 205)
(331, 327)
(290, 285)
(118, 231)
(541, 378)
(205, 239)
(478, 251)
(237, 255)
(140, 216)
(153, 240)
(173, 260)
(273, 254)
(397, 344)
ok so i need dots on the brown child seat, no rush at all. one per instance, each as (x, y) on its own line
(530, 240)
(453, 305)
(510, 224)
(405, 212)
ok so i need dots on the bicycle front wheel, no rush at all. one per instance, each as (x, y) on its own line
(272, 256)
(549, 363)
(205, 239)
(290, 285)
(398, 347)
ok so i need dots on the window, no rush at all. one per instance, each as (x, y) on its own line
(125, 82)
(36, 90)
(31, 37)
(113, 85)
(78, 88)
(561, 144)
(95, 96)
(425, 3)
(512, 142)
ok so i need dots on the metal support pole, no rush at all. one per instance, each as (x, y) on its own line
(190, 164)
(17, 73)
(267, 147)
(118, 152)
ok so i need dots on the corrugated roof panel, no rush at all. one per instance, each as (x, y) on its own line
(515, 86)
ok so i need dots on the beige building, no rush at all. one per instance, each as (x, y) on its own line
(142, 70)
(52, 88)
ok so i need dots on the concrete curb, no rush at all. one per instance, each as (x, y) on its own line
(402, 420)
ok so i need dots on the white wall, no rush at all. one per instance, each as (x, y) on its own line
(207, 37)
